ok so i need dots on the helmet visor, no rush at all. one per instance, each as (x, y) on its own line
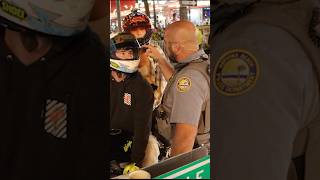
(125, 54)
(124, 47)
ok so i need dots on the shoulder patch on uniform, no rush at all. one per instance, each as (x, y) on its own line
(236, 72)
(183, 84)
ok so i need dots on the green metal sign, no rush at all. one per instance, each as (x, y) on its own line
(199, 169)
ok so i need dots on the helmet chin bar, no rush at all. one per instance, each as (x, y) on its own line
(125, 66)
(146, 39)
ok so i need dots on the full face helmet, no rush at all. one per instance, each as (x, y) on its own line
(124, 53)
(51, 17)
(136, 20)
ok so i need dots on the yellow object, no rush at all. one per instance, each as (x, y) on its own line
(127, 146)
(140, 174)
(130, 168)
(199, 36)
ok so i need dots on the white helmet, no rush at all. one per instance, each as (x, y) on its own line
(53, 17)
(124, 53)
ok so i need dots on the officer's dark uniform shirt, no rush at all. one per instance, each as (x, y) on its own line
(52, 122)
(131, 103)
(265, 93)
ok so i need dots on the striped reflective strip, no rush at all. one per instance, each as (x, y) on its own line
(56, 119)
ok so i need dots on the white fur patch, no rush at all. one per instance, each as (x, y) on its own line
(152, 152)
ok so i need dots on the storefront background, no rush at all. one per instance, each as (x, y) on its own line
(165, 11)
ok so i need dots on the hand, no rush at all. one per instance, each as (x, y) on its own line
(154, 53)
(130, 168)
(165, 67)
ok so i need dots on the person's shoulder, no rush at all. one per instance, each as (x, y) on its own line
(192, 74)
(143, 90)
(86, 42)
(241, 30)
(253, 58)
(88, 50)
(90, 41)
(264, 41)
(142, 83)
(190, 81)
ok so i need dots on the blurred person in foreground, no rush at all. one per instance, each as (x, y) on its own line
(53, 91)
(266, 90)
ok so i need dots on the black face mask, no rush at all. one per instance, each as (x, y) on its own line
(169, 55)
(146, 39)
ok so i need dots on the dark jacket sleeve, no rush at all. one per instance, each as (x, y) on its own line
(91, 113)
(142, 125)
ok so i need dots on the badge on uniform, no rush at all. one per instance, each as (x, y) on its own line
(236, 72)
(55, 122)
(183, 84)
(127, 99)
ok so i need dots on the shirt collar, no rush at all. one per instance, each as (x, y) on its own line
(197, 55)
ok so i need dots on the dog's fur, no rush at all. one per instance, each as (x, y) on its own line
(147, 69)
(152, 152)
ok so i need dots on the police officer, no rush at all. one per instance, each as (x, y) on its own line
(266, 90)
(184, 111)
(53, 91)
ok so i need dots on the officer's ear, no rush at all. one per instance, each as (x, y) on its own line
(176, 47)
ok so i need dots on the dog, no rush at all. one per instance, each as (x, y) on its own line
(152, 152)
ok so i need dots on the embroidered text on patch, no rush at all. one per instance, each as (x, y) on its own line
(13, 10)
